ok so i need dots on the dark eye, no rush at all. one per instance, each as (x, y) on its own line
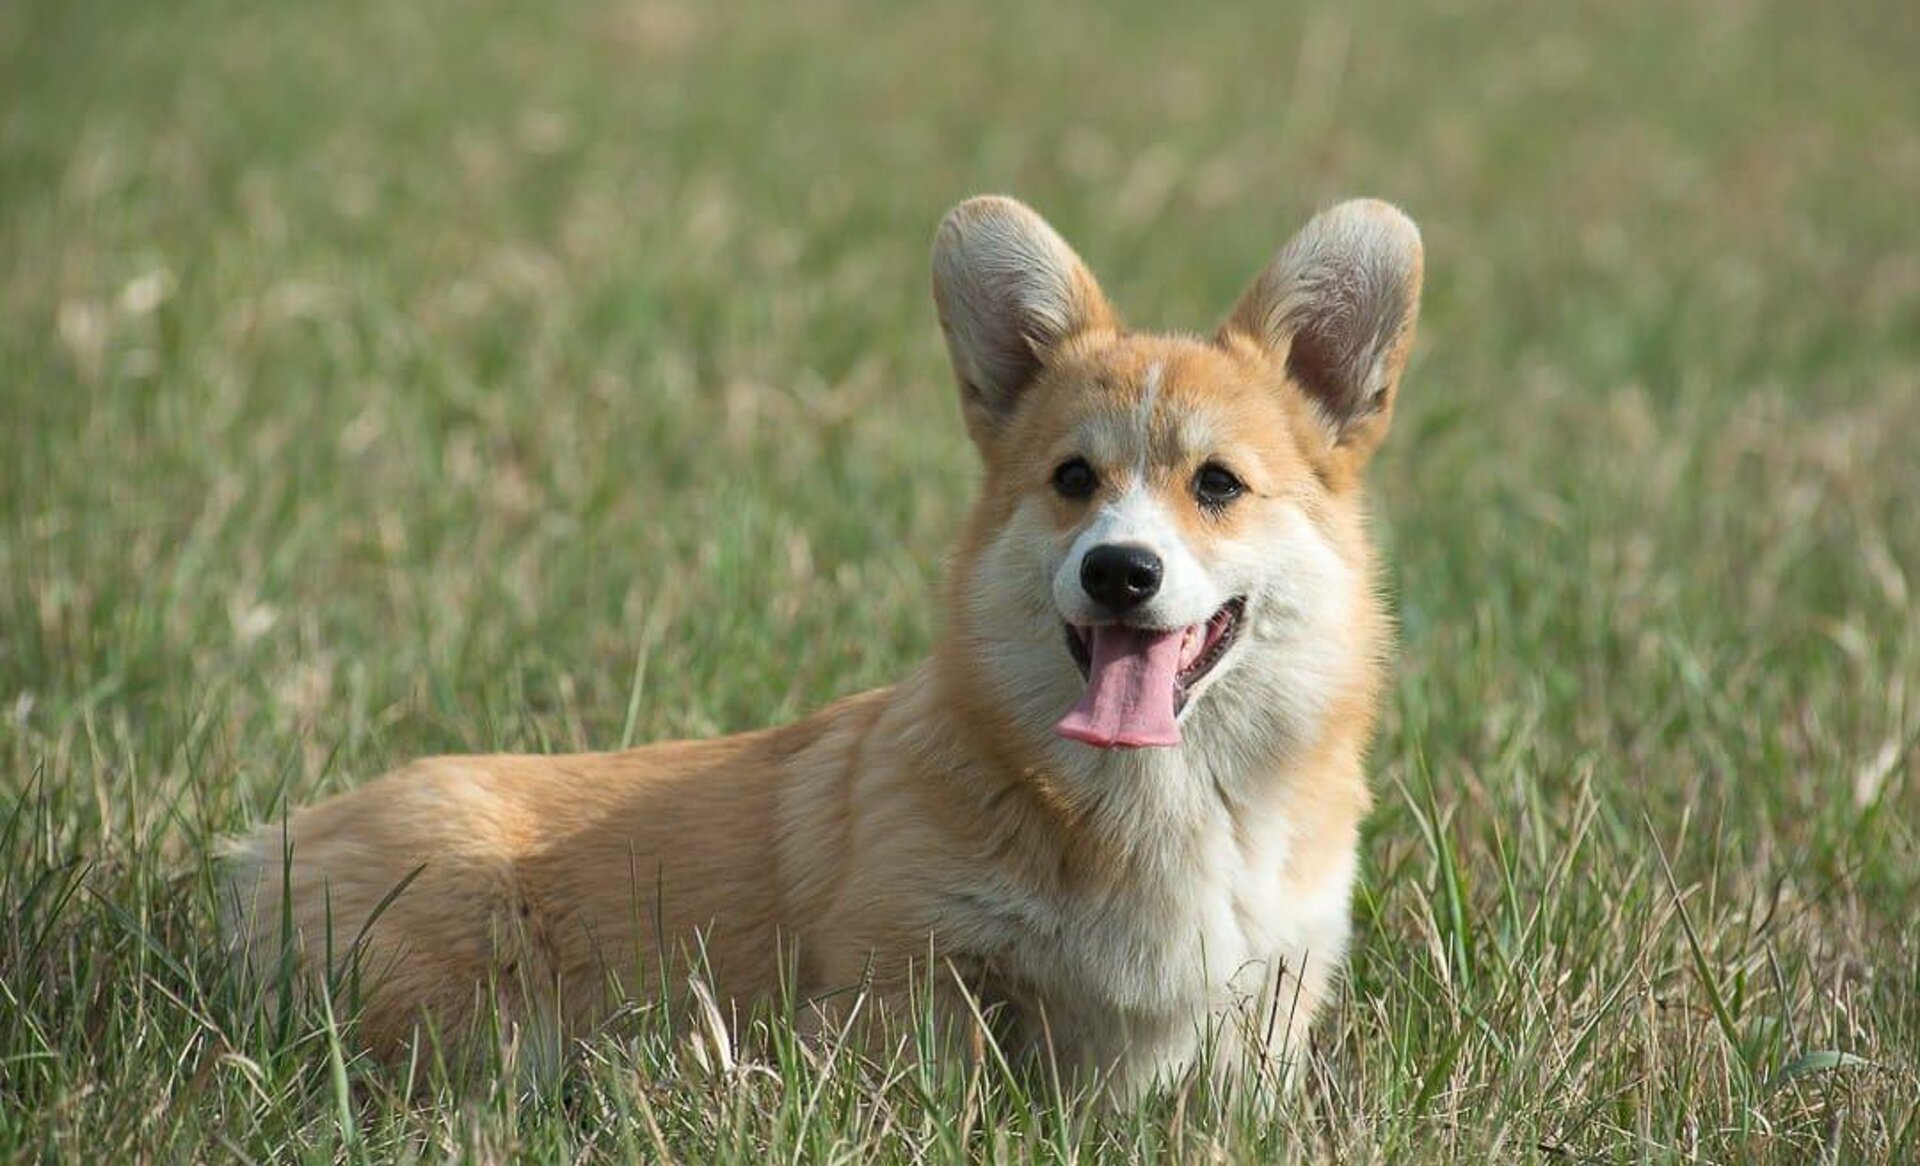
(1074, 478)
(1216, 486)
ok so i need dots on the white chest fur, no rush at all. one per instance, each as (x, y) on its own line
(1203, 927)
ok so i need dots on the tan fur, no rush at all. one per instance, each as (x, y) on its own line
(933, 820)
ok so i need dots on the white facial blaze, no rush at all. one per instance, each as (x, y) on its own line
(1143, 418)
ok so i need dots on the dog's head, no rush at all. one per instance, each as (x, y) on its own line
(1171, 524)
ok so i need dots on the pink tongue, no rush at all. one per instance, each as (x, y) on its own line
(1129, 696)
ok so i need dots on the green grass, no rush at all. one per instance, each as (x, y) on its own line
(378, 379)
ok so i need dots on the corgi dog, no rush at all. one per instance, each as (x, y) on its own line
(1113, 819)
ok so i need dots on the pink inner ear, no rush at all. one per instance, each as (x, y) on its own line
(1328, 367)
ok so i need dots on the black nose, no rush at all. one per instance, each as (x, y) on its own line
(1120, 576)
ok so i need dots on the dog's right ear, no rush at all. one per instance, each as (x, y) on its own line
(1009, 291)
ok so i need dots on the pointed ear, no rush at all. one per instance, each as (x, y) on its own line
(1009, 292)
(1338, 304)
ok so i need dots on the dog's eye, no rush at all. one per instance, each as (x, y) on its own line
(1074, 478)
(1216, 486)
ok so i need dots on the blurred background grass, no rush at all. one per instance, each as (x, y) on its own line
(377, 379)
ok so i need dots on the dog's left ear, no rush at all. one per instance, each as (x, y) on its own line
(1338, 304)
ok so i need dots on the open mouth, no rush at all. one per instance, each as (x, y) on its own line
(1138, 679)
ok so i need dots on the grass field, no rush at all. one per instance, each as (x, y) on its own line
(378, 379)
